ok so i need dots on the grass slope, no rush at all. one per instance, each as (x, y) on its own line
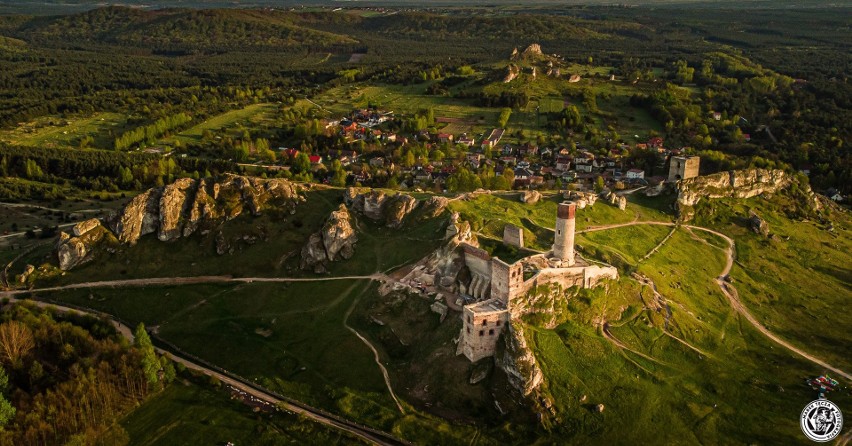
(187, 410)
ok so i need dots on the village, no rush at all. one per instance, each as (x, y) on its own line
(429, 160)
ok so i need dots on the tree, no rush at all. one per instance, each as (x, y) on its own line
(16, 341)
(150, 362)
(599, 184)
(7, 411)
(505, 114)
(302, 163)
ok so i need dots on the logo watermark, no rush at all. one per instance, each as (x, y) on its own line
(821, 420)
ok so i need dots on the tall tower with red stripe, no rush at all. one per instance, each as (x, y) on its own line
(563, 243)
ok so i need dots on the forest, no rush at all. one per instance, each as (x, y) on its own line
(179, 67)
(65, 379)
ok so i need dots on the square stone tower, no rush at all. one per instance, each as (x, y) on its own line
(563, 240)
(506, 280)
(683, 167)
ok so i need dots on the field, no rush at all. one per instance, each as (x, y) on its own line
(797, 282)
(209, 416)
(248, 117)
(67, 131)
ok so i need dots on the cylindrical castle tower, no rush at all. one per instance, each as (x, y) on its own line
(563, 242)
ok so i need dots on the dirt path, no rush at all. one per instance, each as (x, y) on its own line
(194, 280)
(378, 360)
(731, 292)
(659, 245)
(733, 297)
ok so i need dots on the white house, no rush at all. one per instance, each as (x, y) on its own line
(635, 174)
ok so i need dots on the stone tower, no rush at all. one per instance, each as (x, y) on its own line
(563, 242)
(506, 280)
(683, 167)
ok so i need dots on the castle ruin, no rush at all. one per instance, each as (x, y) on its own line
(496, 287)
(683, 167)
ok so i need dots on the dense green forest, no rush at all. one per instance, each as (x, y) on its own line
(781, 73)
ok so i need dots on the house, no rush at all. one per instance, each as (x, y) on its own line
(291, 153)
(474, 158)
(655, 142)
(348, 157)
(528, 150)
(746, 137)
(377, 162)
(522, 177)
(315, 159)
(465, 140)
(509, 159)
(493, 138)
(347, 126)
(507, 150)
(390, 137)
(717, 116)
(587, 168)
(563, 163)
(444, 138)
(635, 174)
(837, 197)
(584, 158)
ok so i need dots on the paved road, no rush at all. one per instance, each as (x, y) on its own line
(352, 428)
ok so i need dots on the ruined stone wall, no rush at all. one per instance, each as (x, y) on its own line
(513, 236)
(480, 331)
(479, 263)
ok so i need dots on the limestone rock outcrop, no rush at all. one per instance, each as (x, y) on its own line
(391, 210)
(173, 206)
(398, 208)
(732, 184)
(179, 209)
(512, 71)
(757, 224)
(335, 241)
(434, 207)
(76, 250)
(530, 197)
(139, 217)
(532, 51)
(519, 363)
(582, 199)
(616, 200)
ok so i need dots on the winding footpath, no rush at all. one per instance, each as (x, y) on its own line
(731, 292)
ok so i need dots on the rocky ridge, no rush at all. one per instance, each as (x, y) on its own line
(391, 210)
(178, 210)
(732, 184)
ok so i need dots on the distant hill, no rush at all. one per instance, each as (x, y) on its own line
(179, 29)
